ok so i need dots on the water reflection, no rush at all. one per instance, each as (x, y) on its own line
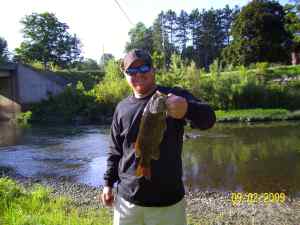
(74, 152)
(233, 157)
(252, 158)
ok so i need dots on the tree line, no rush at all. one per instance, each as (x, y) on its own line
(199, 36)
(261, 31)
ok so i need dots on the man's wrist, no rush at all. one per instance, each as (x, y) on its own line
(107, 188)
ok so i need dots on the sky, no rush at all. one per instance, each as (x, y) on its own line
(99, 24)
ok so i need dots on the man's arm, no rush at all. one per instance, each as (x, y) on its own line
(183, 105)
(114, 154)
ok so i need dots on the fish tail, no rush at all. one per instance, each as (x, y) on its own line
(143, 171)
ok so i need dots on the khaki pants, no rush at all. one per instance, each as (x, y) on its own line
(126, 213)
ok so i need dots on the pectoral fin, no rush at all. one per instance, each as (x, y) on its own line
(137, 150)
(143, 172)
(155, 153)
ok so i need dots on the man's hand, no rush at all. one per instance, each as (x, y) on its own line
(107, 196)
(177, 106)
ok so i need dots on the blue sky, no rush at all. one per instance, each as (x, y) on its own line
(99, 24)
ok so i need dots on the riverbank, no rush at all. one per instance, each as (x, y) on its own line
(241, 115)
(256, 115)
(202, 207)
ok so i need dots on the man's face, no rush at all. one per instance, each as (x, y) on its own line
(141, 83)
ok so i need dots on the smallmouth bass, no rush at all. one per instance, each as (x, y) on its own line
(151, 131)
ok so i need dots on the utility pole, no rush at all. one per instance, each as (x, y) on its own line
(163, 40)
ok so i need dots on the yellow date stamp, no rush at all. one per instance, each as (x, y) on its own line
(253, 198)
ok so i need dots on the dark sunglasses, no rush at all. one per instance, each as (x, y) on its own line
(142, 69)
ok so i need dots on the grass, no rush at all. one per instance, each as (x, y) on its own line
(37, 207)
(250, 115)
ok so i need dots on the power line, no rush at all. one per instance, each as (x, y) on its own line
(129, 20)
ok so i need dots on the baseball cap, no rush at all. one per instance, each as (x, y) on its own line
(133, 55)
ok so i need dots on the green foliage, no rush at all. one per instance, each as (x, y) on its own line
(158, 59)
(31, 207)
(65, 107)
(248, 115)
(108, 93)
(105, 58)
(259, 35)
(48, 41)
(3, 51)
(112, 71)
(215, 68)
(89, 78)
(240, 89)
(175, 75)
(140, 37)
(82, 105)
(192, 79)
(198, 36)
(292, 22)
(262, 71)
(24, 118)
(87, 64)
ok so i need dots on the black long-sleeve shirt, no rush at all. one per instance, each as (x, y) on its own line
(165, 187)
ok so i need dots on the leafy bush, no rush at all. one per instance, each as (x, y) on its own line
(239, 89)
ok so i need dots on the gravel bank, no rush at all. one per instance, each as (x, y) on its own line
(213, 208)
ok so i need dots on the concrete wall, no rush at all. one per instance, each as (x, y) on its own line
(33, 86)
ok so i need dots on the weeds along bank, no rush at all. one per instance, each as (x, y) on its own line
(241, 88)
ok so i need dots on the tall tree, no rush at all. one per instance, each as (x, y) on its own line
(182, 32)
(292, 23)
(211, 36)
(3, 50)
(259, 35)
(159, 38)
(227, 15)
(194, 26)
(140, 37)
(208, 35)
(48, 41)
(162, 48)
(170, 28)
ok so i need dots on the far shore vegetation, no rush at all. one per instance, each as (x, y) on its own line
(260, 93)
(235, 59)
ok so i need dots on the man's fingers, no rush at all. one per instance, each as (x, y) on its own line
(107, 199)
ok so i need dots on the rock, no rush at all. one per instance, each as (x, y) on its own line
(187, 136)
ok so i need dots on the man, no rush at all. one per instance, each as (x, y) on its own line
(160, 200)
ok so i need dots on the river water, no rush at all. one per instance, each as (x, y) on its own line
(263, 157)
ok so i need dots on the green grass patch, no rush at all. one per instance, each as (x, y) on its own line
(21, 207)
(249, 115)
